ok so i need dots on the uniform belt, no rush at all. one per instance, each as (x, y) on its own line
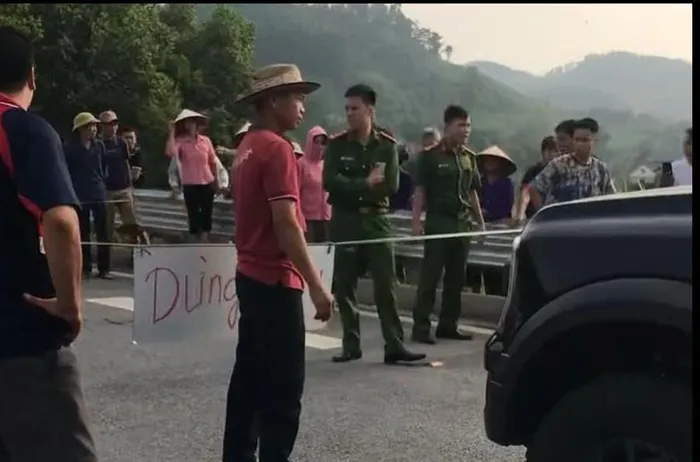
(370, 210)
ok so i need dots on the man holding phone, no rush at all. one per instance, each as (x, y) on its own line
(360, 173)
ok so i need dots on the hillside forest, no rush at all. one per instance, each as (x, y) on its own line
(147, 61)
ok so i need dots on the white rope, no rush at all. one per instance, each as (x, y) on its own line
(477, 234)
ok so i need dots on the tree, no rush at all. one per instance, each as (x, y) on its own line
(141, 60)
(448, 52)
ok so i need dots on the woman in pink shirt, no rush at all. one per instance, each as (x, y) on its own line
(196, 162)
(314, 200)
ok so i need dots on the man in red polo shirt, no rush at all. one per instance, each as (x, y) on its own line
(264, 396)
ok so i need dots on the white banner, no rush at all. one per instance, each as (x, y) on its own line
(189, 292)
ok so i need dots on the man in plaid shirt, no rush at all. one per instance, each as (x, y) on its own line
(577, 175)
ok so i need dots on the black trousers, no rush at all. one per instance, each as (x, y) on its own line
(43, 417)
(492, 278)
(98, 211)
(264, 396)
(199, 202)
(316, 231)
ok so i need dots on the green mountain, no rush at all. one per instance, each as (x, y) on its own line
(623, 81)
(340, 45)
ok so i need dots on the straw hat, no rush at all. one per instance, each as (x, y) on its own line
(83, 119)
(274, 77)
(107, 117)
(187, 114)
(494, 151)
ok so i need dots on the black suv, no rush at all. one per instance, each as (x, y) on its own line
(592, 357)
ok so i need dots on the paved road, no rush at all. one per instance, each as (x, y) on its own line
(166, 403)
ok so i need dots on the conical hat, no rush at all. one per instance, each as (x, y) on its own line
(274, 77)
(495, 151)
(187, 114)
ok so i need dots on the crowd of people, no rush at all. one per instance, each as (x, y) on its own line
(282, 195)
(104, 164)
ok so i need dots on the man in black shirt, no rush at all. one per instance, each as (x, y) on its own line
(548, 150)
(42, 411)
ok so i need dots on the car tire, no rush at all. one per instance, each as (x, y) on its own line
(654, 410)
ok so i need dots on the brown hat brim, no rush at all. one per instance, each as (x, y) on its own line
(509, 166)
(302, 87)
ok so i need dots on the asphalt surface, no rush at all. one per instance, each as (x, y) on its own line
(166, 402)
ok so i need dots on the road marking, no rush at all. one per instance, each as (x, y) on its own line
(316, 341)
(370, 314)
(408, 320)
(122, 303)
(322, 342)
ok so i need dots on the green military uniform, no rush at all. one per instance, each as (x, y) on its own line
(447, 176)
(360, 213)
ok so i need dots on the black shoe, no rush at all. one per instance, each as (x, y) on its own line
(105, 275)
(426, 339)
(453, 335)
(346, 357)
(403, 357)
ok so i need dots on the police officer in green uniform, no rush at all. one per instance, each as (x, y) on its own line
(447, 182)
(360, 173)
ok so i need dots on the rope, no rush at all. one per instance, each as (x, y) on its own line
(400, 239)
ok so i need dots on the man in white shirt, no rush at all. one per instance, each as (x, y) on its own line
(682, 169)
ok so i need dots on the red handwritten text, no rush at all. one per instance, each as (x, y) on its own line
(171, 288)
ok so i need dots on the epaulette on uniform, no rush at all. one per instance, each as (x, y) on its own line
(338, 135)
(388, 136)
(469, 151)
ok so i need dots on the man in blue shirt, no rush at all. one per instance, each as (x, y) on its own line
(119, 183)
(42, 411)
(85, 157)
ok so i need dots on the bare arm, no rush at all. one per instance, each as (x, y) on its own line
(523, 201)
(63, 252)
(171, 146)
(281, 186)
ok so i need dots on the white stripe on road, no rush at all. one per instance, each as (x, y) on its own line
(316, 341)
(405, 319)
(122, 303)
(322, 342)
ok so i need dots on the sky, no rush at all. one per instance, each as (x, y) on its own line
(537, 37)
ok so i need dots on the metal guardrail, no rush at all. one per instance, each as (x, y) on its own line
(160, 212)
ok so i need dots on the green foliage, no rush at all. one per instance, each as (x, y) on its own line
(144, 61)
(343, 44)
(148, 61)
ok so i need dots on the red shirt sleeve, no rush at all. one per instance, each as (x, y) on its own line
(280, 177)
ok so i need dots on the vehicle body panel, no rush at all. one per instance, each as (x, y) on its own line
(621, 259)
